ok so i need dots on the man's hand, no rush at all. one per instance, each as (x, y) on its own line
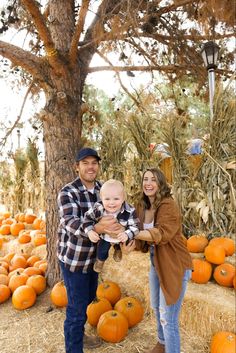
(108, 224)
(93, 236)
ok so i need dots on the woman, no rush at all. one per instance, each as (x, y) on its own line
(170, 261)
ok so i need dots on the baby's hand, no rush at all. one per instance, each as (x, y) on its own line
(93, 236)
(122, 237)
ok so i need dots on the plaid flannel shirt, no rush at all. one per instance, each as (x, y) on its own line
(74, 248)
(126, 217)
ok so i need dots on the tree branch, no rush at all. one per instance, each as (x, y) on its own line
(43, 31)
(165, 68)
(22, 58)
(4, 139)
(78, 30)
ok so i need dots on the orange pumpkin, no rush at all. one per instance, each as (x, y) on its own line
(5, 229)
(16, 228)
(24, 238)
(4, 279)
(9, 221)
(37, 223)
(31, 271)
(215, 254)
(39, 239)
(3, 270)
(109, 290)
(96, 309)
(224, 274)
(6, 214)
(32, 259)
(30, 217)
(58, 294)
(18, 261)
(202, 271)
(131, 308)
(38, 283)
(5, 293)
(223, 342)
(23, 297)
(112, 326)
(197, 243)
(17, 280)
(227, 243)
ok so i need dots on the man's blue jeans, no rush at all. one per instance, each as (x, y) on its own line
(167, 316)
(81, 291)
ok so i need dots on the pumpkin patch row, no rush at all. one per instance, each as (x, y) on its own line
(111, 314)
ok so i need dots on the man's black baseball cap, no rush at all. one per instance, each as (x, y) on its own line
(87, 152)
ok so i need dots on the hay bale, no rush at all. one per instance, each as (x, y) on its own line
(16, 247)
(208, 308)
(40, 251)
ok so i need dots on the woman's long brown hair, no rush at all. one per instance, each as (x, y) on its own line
(163, 191)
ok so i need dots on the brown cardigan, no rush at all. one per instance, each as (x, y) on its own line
(171, 257)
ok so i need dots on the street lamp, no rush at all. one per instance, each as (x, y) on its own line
(210, 52)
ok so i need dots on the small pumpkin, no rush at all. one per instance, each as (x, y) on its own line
(31, 271)
(5, 229)
(197, 243)
(131, 308)
(223, 342)
(5, 293)
(24, 238)
(17, 280)
(224, 274)
(58, 295)
(112, 326)
(23, 297)
(96, 309)
(202, 271)
(38, 283)
(30, 217)
(16, 228)
(32, 259)
(215, 254)
(109, 290)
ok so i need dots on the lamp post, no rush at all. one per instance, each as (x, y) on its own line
(210, 52)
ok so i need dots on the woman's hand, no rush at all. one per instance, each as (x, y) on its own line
(126, 249)
(144, 235)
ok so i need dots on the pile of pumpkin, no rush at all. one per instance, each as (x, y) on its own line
(23, 277)
(111, 314)
(26, 228)
(214, 262)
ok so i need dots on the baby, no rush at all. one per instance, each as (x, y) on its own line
(113, 203)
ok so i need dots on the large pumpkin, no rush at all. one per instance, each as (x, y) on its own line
(197, 243)
(132, 310)
(201, 271)
(223, 342)
(96, 309)
(23, 297)
(215, 254)
(109, 290)
(224, 274)
(226, 243)
(58, 294)
(112, 326)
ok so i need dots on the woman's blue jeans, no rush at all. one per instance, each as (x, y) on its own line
(167, 316)
(81, 291)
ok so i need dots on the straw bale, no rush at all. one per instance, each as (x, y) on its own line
(40, 251)
(16, 247)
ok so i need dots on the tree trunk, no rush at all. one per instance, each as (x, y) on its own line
(62, 123)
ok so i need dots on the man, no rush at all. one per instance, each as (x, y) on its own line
(76, 253)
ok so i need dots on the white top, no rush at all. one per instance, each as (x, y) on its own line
(107, 237)
(148, 225)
